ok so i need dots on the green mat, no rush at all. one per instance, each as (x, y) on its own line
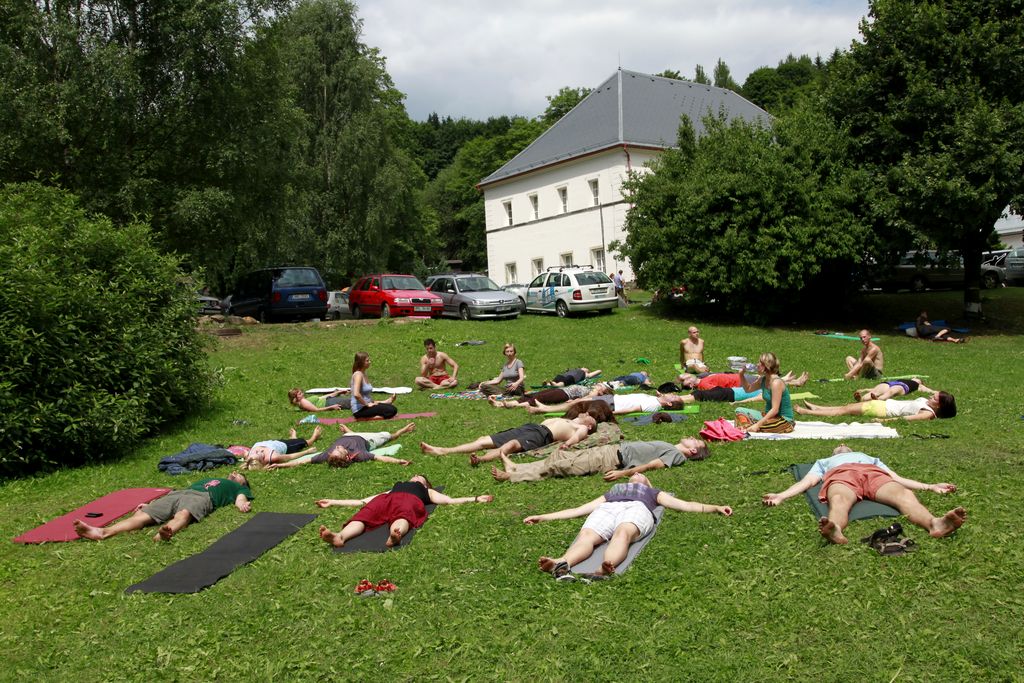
(383, 450)
(905, 377)
(691, 409)
(850, 337)
(802, 395)
(864, 509)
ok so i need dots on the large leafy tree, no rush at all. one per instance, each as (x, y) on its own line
(931, 97)
(754, 218)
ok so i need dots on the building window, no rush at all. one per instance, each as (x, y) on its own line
(535, 205)
(537, 265)
(508, 212)
(594, 191)
(597, 259)
(563, 198)
(510, 273)
(565, 259)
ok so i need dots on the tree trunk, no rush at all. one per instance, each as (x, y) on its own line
(970, 250)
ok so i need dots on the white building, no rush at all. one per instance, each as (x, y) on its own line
(1010, 229)
(559, 201)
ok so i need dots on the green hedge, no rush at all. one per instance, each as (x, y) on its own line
(97, 334)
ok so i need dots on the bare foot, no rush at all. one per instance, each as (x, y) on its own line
(946, 524)
(88, 531)
(317, 431)
(832, 533)
(334, 539)
(810, 405)
(474, 460)
(389, 399)
(856, 395)
(546, 564)
(799, 409)
(507, 462)
(494, 402)
(292, 434)
(431, 450)
(607, 568)
(500, 475)
(344, 428)
(166, 532)
(394, 538)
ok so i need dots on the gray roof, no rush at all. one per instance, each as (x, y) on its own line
(646, 115)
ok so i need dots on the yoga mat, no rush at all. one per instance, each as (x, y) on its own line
(593, 563)
(802, 395)
(376, 390)
(373, 541)
(468, 395)
(691, 409)
(100, 512)
(241, 546)
(862, 509)
(648, 418)
(849, 337)
(809, 429)
(935, 323)
(350, 420)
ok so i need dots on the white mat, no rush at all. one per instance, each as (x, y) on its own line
(827, 430)
(345, 390)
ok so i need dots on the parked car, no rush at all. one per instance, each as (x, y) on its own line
(1015, 266)
(564, 290)
(471, 295)
(389, 295)
(281, 293)
(517, 289)
(208, 305)
(337, 301)
(921, 270)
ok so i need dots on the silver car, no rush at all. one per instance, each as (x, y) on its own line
(470, 295)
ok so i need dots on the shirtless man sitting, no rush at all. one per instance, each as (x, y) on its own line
(433, 368)
(691, 352)
(869, 364)
(524, 438)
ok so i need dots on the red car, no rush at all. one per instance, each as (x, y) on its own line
(388, 295)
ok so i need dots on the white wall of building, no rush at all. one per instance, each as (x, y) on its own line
(579, 230)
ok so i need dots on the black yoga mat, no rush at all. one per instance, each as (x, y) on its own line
(241, 546)
(864, 509)
(373, 541)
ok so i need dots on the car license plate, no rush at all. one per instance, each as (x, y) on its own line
(601, 290)
(421, 308)
(300, 297)
(503, 309)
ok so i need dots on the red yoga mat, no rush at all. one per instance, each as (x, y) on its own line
(349, 420)
(100, 512)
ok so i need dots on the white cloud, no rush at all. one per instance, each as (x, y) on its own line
(479, 59)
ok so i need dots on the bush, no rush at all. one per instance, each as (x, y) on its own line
(97, 334)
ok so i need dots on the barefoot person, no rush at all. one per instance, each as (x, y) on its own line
(615, 461)
(731, 380)
(623, 515)
(691, 352)
(891, 389)
(434, 365)
(362, 403)
(266, 453)
(524, 438)
(849, 476)
(401, 508)
(316, 403)
(777, 417)
(621, 404)
(572, 376)
(926, 330)
(870, 363)
(939, 404)
(353, 447)
(178, 508)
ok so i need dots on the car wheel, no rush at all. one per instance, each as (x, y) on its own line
(605, 311)
(561, 309)
(385, 312)
(357, 312)
(990, 280)
(918, 284)
(261, 315)
(464, 312)
(522, 305)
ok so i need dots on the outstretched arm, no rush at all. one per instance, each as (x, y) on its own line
(656, 464)
(394, 461)
(242, 503)
(593, 374)
(345, 502)
(810, 480)
(920, 415)
(565, 514)
(673, 503)
(293, 463)
(921, 486)
(441, 499)
(307, 405)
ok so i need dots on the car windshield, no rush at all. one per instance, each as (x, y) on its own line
(477, 284)
(296, 277)
(592, 278)
(400, 282)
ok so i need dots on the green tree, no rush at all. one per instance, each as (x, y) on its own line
(777, 89)
(764, 216)
(562, 102)
(700, 77)
(723, 77)
(931, 96)
(671, 73)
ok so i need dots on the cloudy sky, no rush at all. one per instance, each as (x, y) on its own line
(476, 59)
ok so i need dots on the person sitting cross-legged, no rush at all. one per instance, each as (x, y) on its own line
(849, 476)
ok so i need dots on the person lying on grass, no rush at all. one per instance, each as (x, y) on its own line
(939, 404)
(926, 330)
(849, 476)
(266, 453)
(402, 508)
(731, 380)
(353, 447)
(317, 403)
(550, 395)
(572, 376)
(619, 518)
(434, 368)
(891, 389)
(616, 461)
(621, 404)
(523, 438)
(178, 508)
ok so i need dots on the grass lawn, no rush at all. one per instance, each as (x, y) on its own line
(758, 596)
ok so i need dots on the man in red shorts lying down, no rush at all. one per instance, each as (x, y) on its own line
(849, 476)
